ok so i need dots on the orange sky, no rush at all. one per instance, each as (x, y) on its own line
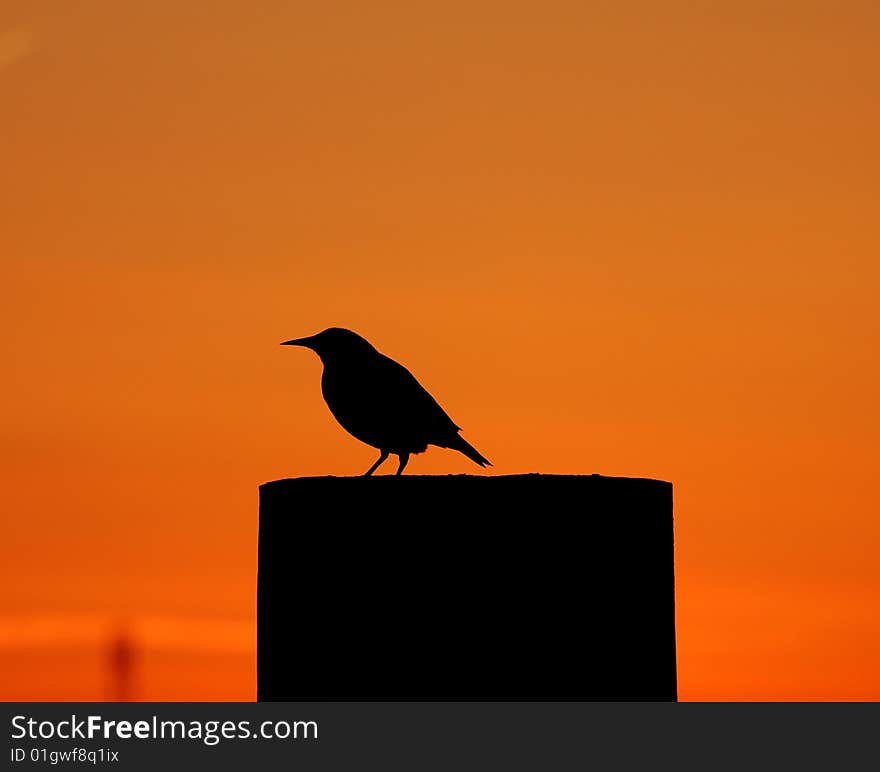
(633, 238)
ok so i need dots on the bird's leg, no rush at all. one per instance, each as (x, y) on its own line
(404, 458)
(383, 454)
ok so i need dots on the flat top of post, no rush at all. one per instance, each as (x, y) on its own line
(433, 480)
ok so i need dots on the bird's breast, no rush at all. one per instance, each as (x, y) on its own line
(343, 393)
(352, 398)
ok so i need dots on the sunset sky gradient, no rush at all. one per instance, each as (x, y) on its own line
(631, 238)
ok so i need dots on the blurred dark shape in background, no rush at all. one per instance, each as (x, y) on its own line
(121, 665)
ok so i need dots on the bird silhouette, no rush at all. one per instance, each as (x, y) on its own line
(379, 401)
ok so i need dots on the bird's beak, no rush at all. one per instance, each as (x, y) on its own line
(307, 342)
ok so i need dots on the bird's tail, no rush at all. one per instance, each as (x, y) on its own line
(461, 444)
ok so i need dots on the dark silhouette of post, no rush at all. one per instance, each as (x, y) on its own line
(524, 587)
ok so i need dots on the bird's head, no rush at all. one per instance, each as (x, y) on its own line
(334, 343)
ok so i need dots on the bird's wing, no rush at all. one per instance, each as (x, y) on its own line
(404, 395)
